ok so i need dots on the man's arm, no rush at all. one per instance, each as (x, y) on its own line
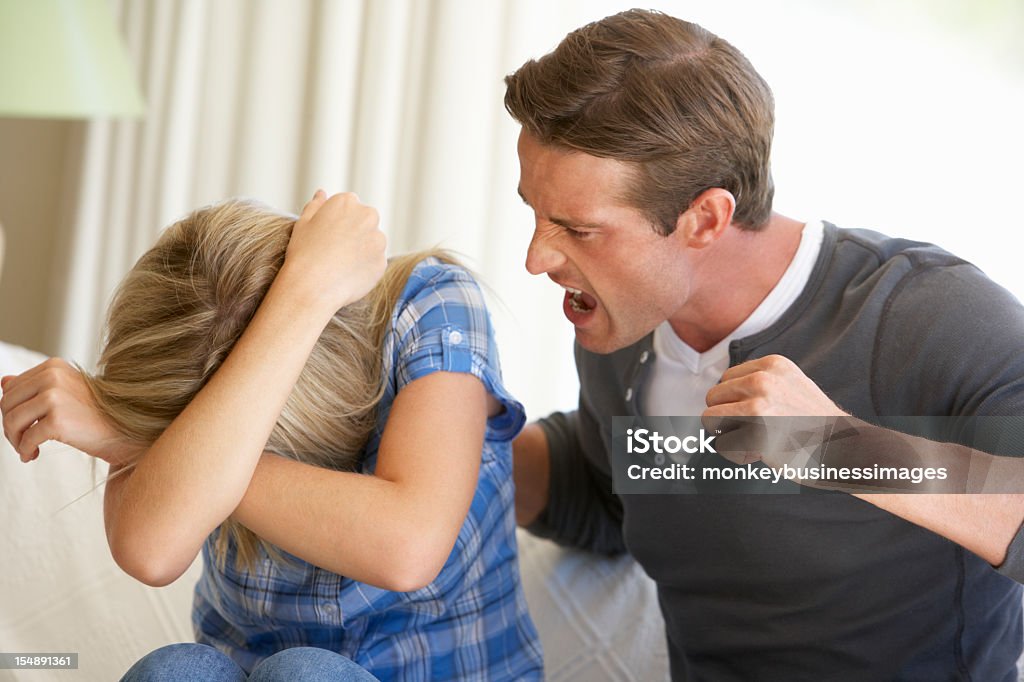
(531, 473)
(569, 499)
(984, 524)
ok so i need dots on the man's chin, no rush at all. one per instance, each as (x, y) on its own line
(601, 344)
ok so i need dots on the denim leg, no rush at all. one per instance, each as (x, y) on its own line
(309, 664)
(187, 662)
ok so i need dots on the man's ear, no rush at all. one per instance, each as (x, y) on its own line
(706, 219)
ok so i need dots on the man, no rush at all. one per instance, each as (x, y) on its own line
(644, 154)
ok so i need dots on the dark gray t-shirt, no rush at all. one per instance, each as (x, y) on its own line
(818, 585)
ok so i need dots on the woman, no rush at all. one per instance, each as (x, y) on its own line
(331, 433)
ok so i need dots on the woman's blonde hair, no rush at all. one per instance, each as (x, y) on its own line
(180, 310)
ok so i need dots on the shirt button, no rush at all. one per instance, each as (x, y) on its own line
(455, 338)
(629, 394)
(644, 356)
(330, 609)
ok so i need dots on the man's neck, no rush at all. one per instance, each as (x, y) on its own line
(732, 277)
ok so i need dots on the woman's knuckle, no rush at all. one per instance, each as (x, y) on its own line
(51, 398)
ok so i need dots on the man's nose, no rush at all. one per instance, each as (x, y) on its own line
(542, 256)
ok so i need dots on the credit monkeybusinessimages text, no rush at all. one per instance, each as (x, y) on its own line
(646, 441)
(759, 472)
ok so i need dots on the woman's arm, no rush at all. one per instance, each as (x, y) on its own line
(155, 521)
(348, 523)
(208, 454)
(394, 529)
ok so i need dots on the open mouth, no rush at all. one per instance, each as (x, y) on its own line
(580, 301)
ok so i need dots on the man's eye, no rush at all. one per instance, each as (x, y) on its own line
(579, 234)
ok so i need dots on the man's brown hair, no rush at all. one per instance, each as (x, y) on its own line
(680, 104)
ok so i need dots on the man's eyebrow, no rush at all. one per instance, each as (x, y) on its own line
(561, 222)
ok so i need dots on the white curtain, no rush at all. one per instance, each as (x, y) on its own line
(397, 100)
(401, 102)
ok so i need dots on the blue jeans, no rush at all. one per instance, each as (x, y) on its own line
(202, 663)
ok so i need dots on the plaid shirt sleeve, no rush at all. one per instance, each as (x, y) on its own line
(442, 324)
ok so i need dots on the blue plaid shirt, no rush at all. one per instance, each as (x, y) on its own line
(471, 622)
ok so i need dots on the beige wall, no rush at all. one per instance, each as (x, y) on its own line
(32, 157)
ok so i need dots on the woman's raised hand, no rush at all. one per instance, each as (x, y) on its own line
(336, 250)
(51, 401)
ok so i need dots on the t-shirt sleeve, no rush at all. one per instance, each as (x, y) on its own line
(443, 326)
(953, 338)
(1013, 566)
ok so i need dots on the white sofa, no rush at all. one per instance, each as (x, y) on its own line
(61, 592)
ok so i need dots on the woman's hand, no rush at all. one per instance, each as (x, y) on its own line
(336, 252)
(51, 401)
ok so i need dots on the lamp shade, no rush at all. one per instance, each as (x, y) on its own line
(64, 59)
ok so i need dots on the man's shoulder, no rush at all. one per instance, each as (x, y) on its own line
(884, 250)
(865, 268)
(921, 275)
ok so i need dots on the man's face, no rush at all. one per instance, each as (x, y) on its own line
(622, 279)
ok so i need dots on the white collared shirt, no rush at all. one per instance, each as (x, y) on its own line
(681, 377)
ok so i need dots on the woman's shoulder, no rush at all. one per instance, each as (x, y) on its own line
(433, 272)
(442, 323)
(436, 283)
